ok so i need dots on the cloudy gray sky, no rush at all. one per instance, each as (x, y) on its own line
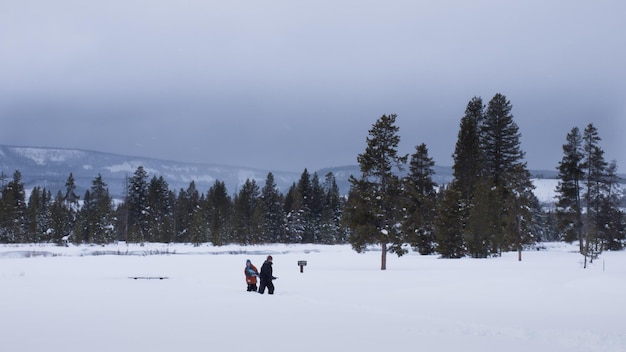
(288, 85)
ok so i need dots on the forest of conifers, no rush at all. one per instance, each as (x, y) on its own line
(488, 208)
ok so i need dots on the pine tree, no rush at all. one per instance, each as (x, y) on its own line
(569, 204)
(247, 215)
(138, 207)
(449, 225)
(60, 218)
(71, 205)
(187, 205)
(459, 234)
(161, 203)
(467, 168)
(272, 212)
(82, 228)
(481, 235)
(503, 165)
(500, 142)
(610, 218)
(220, 208)
(198, 230)
(316, 207)
(13, 217)
(32, 209)
(101, 217)
(331, 231)
(595, 171)
(305, 193)
(295, 215)
(372, 212)
(551, 228)
(38, 215)
(420, 198)
(43, 216)
(521, 220)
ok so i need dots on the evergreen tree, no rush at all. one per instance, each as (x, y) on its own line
(220, 209)
(99, 213)
(187, 205)
(500, 142)
(468, 183)
(38, 215)
(484, 225)
(421, 199)
(247, 214)
(44, 216)
(503, 165)
(13, 217)
(296, 221)
(520, 209)
(449, 225)
(551, 228)
(316, 208)
(71, 205)
(60, 218)
(161, 203)
(198, 229)
(372, 212)
(272, 213)
(138, 207)
(610, 218)
(569, 204)
(543, 226)
(305, 193)
(32, 209)
(82, 228)
(594, 182)
(71, 198)
(331, 230)
(467, 168)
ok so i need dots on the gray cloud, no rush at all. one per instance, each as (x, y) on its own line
(286, 85)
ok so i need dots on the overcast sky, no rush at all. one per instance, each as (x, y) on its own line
(288, 85)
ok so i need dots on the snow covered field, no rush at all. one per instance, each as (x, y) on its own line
(68, 299)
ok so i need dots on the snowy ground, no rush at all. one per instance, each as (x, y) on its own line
(67, 299)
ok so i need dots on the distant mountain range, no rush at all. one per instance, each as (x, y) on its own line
(50, 168)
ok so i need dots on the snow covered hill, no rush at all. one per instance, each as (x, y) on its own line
(50, 168)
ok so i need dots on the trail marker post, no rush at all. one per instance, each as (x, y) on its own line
(302, 264)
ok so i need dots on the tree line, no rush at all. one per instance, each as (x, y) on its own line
(488, 208)
(150, 211)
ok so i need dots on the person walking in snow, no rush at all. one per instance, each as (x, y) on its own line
(251, 273)
(266, 277)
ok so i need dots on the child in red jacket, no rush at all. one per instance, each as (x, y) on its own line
(251, 273)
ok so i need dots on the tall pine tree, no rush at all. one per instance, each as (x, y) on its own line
(372, 212)
(219, 210)
(569, 208)
(421, 200)
(594, 167)
(138, 206)
(503, 166)
(272, 213)
(247, 214)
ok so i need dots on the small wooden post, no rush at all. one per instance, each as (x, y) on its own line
(302, 264)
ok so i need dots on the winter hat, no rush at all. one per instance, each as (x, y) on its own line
(248, 261)
(269, 257)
